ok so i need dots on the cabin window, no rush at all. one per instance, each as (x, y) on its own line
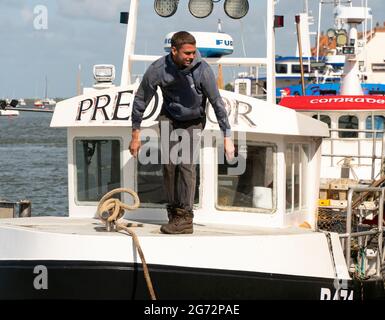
(378, 67)
(348, 122)
(149, 176)
(97, 168)
(328, 92)
(242, 88)
(296, 68)
(281, 68)
(323, 118)
(247, 184)
(377, 92)
(297, 162)
(378, 125)
(253, 88)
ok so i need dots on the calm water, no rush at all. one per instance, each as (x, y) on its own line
(33, 163)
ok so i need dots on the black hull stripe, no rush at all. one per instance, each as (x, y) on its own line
(108, 280)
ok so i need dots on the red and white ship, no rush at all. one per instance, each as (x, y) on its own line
(355, 147)
(38, 103)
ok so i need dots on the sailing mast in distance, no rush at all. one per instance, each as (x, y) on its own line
(79, 85)
(220, 83)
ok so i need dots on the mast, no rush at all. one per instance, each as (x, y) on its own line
(46, 88)
(78, 86)
(129, 48)
(220, 83)
(270, 53)
(350, 84)
(304, 31)
(298, 25)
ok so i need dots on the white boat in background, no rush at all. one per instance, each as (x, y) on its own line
(9, 113)
(356, 118)
(46, 102)
(22, 102)
(38, 103)
(49, 102)
(7, 107)
(255, 232)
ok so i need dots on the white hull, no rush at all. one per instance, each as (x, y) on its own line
(236, 248)
(9, 113)
(227, 254)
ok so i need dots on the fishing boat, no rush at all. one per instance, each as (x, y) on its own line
(38, 103)
(9, 113)
(5, 110)
(255, 232)
(46, 102)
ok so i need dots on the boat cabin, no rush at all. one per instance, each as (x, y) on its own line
(272, 183)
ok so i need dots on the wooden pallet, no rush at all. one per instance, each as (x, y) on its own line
(335, 189)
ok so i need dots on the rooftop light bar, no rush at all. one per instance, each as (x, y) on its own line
(166, 8)
(235, 9)
(200, 8)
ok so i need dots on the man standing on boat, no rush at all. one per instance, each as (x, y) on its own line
(186, 82)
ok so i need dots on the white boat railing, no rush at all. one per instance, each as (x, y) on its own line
(377, 136)
(347, 238)
(360, 155)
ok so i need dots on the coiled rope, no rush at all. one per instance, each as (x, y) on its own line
(110, 210)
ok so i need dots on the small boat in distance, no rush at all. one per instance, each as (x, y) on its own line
(10, 113)
(38, 103)
(22, 102)
(46, 102)
(5, 104)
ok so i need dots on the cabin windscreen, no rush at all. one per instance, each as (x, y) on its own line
(98, 168)
(248, 182)
(149, 175)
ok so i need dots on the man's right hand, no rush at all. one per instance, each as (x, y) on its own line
(229, 148)
(135, 143)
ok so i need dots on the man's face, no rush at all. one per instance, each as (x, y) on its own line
(185, 55)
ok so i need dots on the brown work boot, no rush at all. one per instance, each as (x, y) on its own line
(182, 223)
(171, 209)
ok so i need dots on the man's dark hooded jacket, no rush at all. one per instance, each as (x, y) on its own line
(185, 92)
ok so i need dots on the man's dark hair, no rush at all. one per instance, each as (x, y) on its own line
(180, 38)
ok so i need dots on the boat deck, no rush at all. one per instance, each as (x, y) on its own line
(211, 246)
(79, 226)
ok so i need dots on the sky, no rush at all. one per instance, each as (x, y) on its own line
(50, 38)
